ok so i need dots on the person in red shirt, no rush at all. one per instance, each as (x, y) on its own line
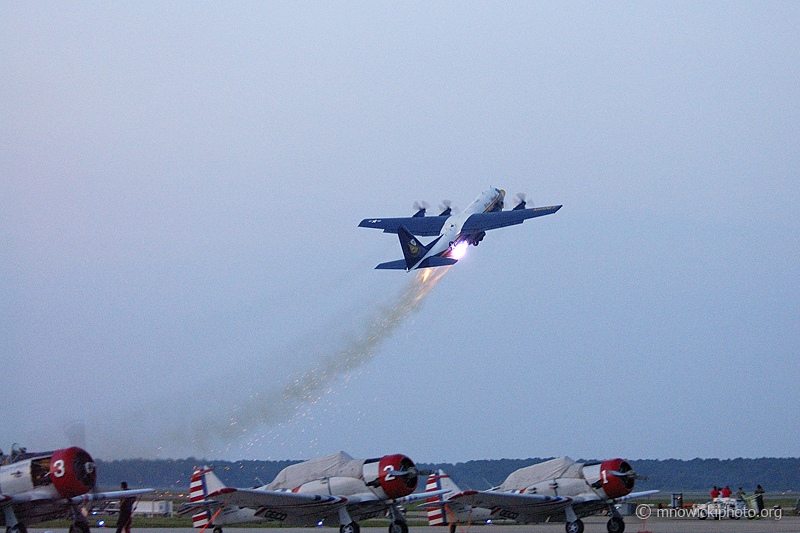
(726, 492)
(714, 492)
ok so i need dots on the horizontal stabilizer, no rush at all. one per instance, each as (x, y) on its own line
(400, 264)
(438, 261)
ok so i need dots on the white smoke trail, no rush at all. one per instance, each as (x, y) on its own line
(276, 405)
(218, 415)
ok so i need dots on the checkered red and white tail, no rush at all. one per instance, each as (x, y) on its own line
(437, 514)
(203, 483)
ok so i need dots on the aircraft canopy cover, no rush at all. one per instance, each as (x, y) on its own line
(335, 465)
(546, 471)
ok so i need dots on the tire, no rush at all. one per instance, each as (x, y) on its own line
(76, 527)
(19, 528)
(702, 515)
(453, 527)
(575, 527)
(615, 525)
(352, 527)
(217, 529)
(398, 526)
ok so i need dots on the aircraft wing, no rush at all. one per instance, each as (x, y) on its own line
(113, 495)
(420, 226)
(512, 503)
(369, 505)
(291, 503)
(9, 499)
(38, 507)
(499, 219)
(633, 495)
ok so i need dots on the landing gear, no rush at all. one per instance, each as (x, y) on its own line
(79, 523)
(217, 529)
(398, 526)
(78, 527)
(351, 527)
(576, 526)
(615, 524)
(453, 527)
(13, 525)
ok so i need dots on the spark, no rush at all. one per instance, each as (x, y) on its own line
(280, 405)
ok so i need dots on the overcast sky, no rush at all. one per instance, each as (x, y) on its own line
(181, 271)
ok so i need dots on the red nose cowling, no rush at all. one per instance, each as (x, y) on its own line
(616, 486)
(72, 472)
(393, 485)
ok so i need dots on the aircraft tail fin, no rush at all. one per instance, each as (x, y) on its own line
(437, 514)
(413, 250)
(203, 483)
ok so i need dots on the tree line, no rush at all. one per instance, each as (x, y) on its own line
(696, 475)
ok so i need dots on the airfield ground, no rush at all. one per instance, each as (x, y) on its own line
(595, 524)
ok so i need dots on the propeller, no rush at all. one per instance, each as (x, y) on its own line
(404, 473)
(519, 201)
(420, 207)
(630, 474)
(445, 208)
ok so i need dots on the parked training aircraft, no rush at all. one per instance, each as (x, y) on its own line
(335, 489)
(455, 232)
(36, 487)
(555, 490)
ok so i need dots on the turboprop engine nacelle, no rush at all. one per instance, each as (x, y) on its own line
(395, 474)
(69, 472)
(614, 476)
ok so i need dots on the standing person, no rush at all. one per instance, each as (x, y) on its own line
(714, 493)
(726, 492)
(125, 511)
(759, 498)
(740, 494)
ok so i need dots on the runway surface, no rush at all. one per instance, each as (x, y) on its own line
(787, 524)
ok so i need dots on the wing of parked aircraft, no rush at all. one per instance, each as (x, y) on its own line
(512, 505)
(302, 505)
(287, 502)
(534, 507)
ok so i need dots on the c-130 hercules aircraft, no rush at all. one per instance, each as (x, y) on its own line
(454, 232)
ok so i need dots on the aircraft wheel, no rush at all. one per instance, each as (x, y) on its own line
(702, 515)
(615, 524)
(78, 527)
(217, 529)
(575, 527)
(352, 527)
(453, 526)
(398, 526)
(19, 528)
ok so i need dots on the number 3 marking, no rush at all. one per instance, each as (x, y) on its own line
(58, 468)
